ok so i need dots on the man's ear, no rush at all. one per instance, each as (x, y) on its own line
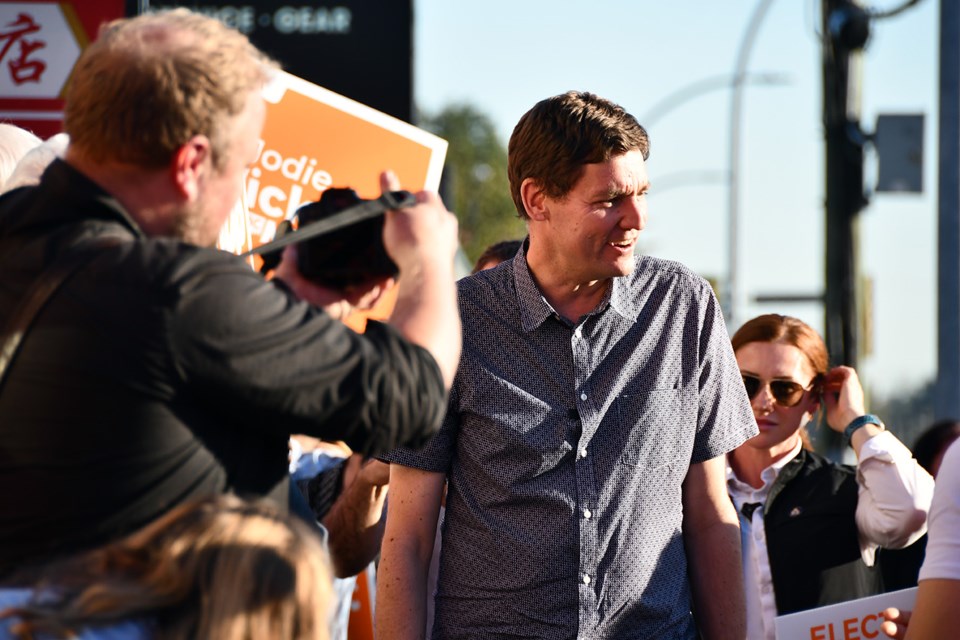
(534, 199)
(190, 165)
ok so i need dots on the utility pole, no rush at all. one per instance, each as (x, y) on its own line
(846, 27)
(948, 237)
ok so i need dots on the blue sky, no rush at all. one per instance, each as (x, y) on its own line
(504, 56)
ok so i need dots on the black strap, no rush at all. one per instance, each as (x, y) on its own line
(41, 291)
(351, 215)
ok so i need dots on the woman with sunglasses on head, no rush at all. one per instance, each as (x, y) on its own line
(810, 527)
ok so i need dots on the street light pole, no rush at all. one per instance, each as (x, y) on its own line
(845, 32)
(948, 205)
(735, 293)
(706, 85)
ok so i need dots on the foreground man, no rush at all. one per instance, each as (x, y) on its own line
(585, 437)
(163, 370)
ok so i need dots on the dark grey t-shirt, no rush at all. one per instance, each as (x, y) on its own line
(566, 448)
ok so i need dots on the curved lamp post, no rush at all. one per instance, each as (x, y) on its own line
(735, 292)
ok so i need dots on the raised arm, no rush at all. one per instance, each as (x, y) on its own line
(412, 514)
(711, 534)
(895, 491)
(422, 241)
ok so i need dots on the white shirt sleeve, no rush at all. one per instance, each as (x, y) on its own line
(943, 544)
(894, 497)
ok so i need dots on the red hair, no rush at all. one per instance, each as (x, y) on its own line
(774, 327)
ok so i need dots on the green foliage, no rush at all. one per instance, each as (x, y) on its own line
(475, 185)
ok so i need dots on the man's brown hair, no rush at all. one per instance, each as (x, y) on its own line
(559, 135)
(150, 83)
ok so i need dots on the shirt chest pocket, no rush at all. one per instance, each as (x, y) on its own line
(653, 425)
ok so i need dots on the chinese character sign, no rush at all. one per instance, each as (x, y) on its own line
(40, 41)
(22, 67)
(39, 44)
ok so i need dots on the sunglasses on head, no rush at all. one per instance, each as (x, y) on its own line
(786, 393)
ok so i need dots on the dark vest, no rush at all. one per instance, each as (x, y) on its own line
(812, 536)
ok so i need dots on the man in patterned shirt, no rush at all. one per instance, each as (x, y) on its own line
(585, 436)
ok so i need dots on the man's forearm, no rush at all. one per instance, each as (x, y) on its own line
(401, 596)
(711, 534)
(716, 577)
(426, 314)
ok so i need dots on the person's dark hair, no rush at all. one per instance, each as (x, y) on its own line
(558, 136)
(496, 253)
(774, 327)
(930, 445)
(218, 567)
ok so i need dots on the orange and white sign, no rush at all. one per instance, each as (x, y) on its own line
(853, 620)
(314, 139)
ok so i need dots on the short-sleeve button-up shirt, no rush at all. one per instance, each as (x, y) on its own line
(566, 446)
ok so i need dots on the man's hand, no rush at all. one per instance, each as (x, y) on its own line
(355, 522)
(425, 234)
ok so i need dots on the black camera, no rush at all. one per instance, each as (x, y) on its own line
(352, 255)
(341, 252)
(342, 238)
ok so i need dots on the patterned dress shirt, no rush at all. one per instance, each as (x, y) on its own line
(566, 446)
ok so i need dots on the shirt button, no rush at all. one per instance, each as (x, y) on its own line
(587, 514)
(583, 452)
(583, 396)
(586, 579)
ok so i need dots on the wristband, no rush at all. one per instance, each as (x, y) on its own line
(856, 423)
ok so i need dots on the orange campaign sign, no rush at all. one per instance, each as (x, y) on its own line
(314, 139)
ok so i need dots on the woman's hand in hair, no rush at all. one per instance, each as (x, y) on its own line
(842, 397)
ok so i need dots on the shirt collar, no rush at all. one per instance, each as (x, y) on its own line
(768, 475)
(534, 308)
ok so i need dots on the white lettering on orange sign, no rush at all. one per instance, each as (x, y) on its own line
(278, 202)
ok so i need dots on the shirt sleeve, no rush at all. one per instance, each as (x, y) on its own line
(943, 543)
(249, 351)
(894, 496)
(438, 452)
(724, 419)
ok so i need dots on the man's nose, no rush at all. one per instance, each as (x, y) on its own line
(634, 213)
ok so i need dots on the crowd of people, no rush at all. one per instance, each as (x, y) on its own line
(564, 444)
